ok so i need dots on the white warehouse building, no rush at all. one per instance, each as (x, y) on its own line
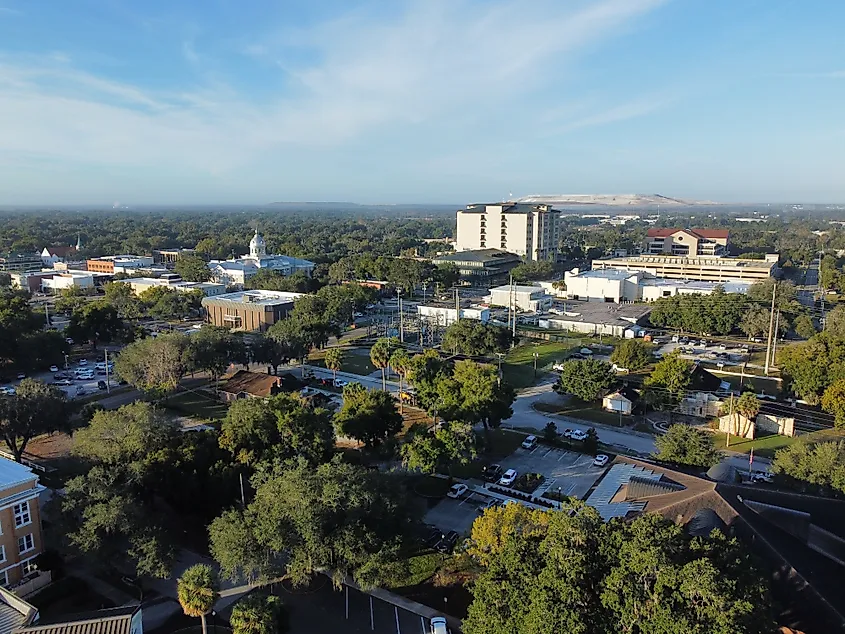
(530, 299)
(446, 314)
(618, 286)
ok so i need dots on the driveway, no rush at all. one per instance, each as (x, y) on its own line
(524, 415)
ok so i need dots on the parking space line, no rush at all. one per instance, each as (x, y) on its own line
(467, 498)
(372, 617)
(562, 455)
(551, 449)
(396, 612)
(569, 488)
(422, 625)
(346, 588)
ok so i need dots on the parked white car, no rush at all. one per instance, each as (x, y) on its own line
(508, 478)
(340, 383)
(438, 625)
(558, 367)
(579, 435)
(457, 491)
(600, 460)
(530, 442)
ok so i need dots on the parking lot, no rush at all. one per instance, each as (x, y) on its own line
(323, 610)
(571, 472)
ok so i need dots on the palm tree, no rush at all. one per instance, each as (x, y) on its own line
(333, 360)
(380, 356)
(198, 589)
(400, 361)
(256, 614)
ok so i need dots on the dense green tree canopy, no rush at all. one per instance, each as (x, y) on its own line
(632, 354)
(338, 516)
(155, 365)
(586, 379)
(472, 337)
(281, 427)
(686, 445)
(35, 409)
(809, 368)
(369, 416)
(813, 465)
(192, 268)
(668, 381)
(529, 271)
(570, 572)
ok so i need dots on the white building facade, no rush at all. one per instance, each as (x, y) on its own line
(236, 271)
(530, 231)
(619, 286)
(530, 299)
(443, 315)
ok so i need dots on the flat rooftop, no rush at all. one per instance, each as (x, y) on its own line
(730, 286)
(519, 288)
(600, 312)
(13, 473)
(256, 297)
(708, 260)
(606, 274)
(477, 255)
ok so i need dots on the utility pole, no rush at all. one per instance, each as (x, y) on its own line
(513, 301)
(501, 355)
(401, 315)
(775, 343)
(108, 384)
(731, 420)
(771, 326)
(510, 300)
(536, 355)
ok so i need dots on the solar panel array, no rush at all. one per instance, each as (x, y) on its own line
(619, 475)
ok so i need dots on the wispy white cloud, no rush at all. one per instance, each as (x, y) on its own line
(10, 11)
(436, 61)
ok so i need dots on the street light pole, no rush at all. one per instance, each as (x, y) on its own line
(536, 356)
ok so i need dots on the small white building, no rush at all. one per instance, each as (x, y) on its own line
(175, 282)
(61, 281)
(621, 401)
(446, 315)
(530, 299)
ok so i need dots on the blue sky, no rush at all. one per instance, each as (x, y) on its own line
(225, 101)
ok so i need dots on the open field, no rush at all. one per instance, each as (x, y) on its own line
(518, 366)
(766, 446)
(197, 405)
(355, 360)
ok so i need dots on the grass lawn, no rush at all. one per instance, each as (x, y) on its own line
(766, 446)
(578, 410)
(518, 366)
(67, 596)
(197, 405)
(355, 361)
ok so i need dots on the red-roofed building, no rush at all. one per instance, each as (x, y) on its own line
(687, 242)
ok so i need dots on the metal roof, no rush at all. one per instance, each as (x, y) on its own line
(608, 487)
(110, 621)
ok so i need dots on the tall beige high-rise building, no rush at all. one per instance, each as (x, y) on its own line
(528, 230)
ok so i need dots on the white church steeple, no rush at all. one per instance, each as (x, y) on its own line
(257, 246)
